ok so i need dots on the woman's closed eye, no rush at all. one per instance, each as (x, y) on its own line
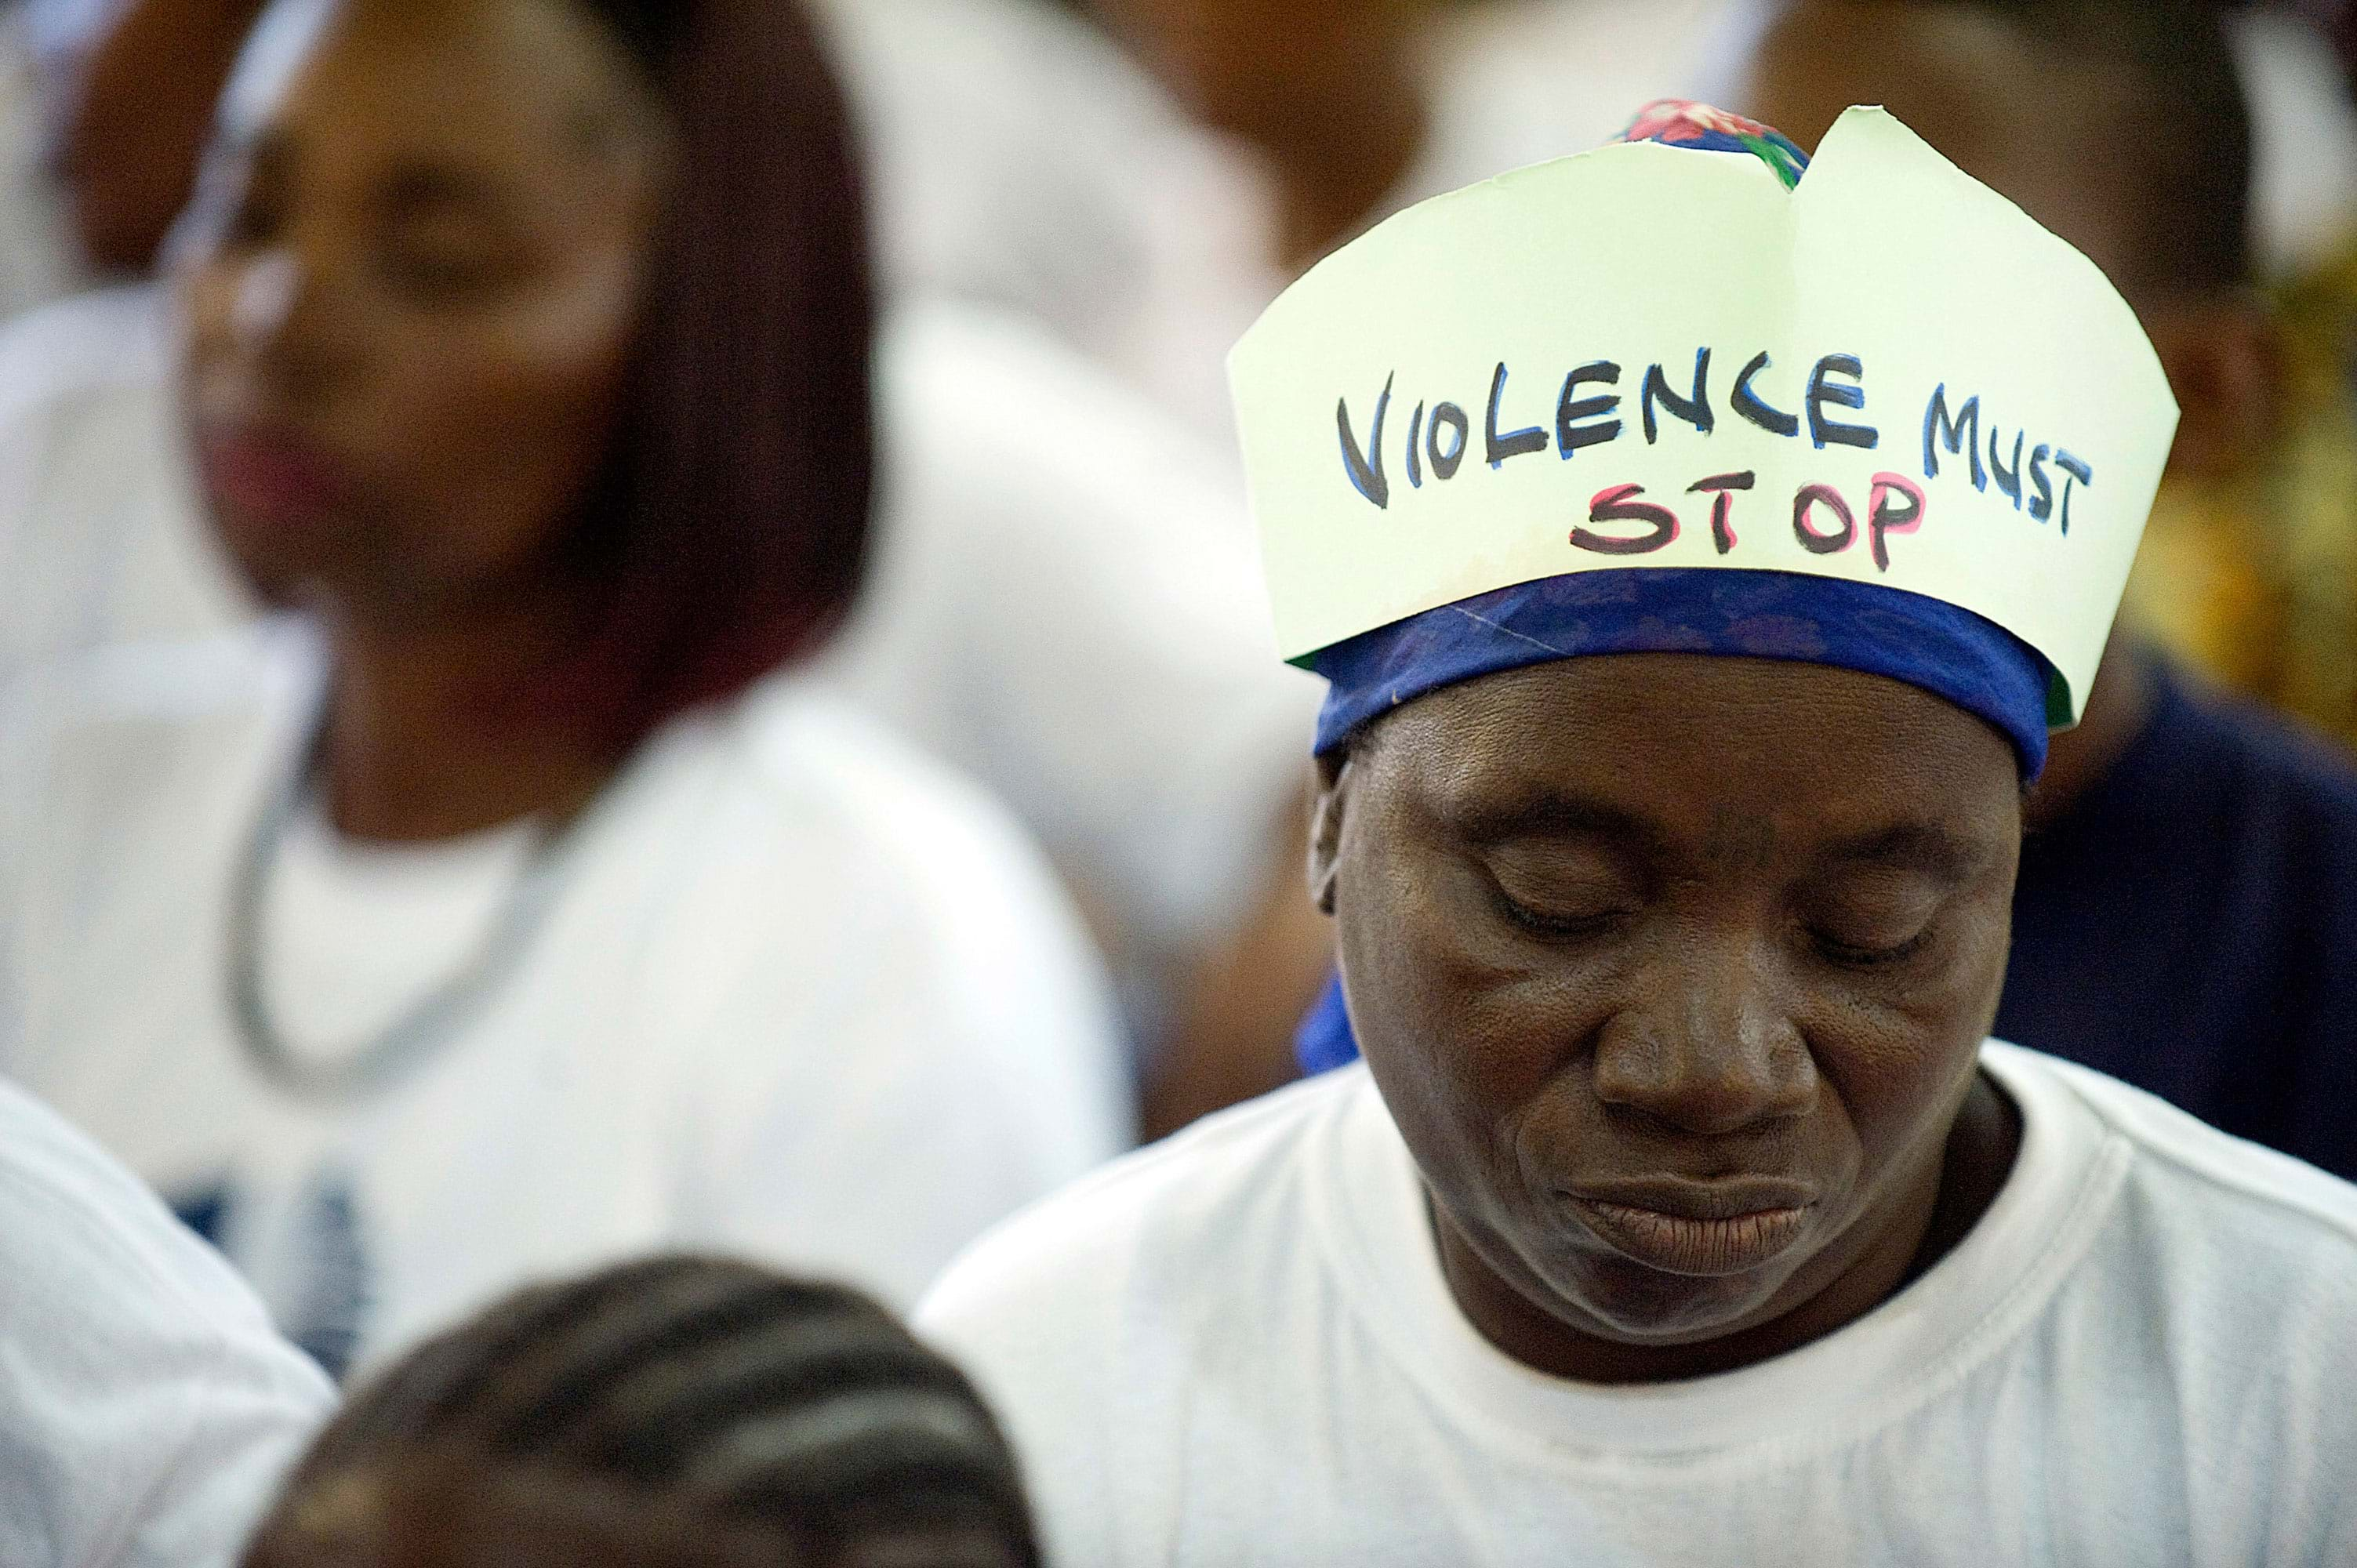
(444, 234)
(1868, 955)
(1555, 892)
(1884, 919)
(441, 260)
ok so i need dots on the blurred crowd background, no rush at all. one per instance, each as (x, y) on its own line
(661, 646)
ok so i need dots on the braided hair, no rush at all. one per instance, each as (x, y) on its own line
(754, 1399)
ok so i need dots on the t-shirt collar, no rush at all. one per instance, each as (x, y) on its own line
(1919, 1343)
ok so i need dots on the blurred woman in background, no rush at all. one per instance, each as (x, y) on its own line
(1061, 588)
(507, 909)
(674, 1414)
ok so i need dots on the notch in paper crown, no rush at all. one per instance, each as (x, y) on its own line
(1641, 357)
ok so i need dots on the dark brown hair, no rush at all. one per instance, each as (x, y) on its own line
(704, 1388)
(728, 531)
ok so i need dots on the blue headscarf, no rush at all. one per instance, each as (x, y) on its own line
(1926, 642)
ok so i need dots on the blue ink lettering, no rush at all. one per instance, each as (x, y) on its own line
(2008, 481)
(1823, 391)
(1570, 434)
(1444, 464)
(1746, 402)
(1962, 435)
(2078, 470)
(1530, 438)
(1366, 468)
(1693, 410)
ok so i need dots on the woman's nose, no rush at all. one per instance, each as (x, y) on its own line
(265, 301)
(1706, 1047)
(275, 321)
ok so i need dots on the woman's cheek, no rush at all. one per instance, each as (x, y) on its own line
(202, 300)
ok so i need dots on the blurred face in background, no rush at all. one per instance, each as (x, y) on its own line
(1252, 68)
(2060, 136)
(408, 286)
(2029, 126)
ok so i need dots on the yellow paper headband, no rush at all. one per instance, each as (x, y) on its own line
(1647, 356)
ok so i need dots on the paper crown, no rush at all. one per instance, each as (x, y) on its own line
(1643, 357)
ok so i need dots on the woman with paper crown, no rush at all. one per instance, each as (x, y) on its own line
(1682, 1211)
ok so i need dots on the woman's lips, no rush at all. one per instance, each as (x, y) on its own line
(1699, 1229)
(272, 479)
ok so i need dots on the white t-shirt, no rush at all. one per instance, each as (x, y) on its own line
(96, 544)
(148, 1409)
(796, 993)
(2303, 141)
(1238, 1346)
(1064, 597)
(1018, 159)
(36, 252)
(1066, 602)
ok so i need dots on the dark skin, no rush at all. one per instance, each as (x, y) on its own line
(2044, 129)
(1674, 971)
(409, 286)
(1326, 91)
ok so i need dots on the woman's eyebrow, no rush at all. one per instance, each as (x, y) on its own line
(430, 187)
(1551, 813)
(1909, 846)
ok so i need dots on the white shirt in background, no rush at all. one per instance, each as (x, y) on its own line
(1066, 602)
(797, 993)
(38, 259)
(96, 498)
(1064, 599)
(1238, 1346)
(1515, 83)
(148, 1409)
(2303, 141)
(1016, 156)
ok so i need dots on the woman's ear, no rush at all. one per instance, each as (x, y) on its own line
(1326, 827)
(2225, 366)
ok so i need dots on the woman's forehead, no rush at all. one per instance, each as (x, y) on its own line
(434, 77)
(1667, 735)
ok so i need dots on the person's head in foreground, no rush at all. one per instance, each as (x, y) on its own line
(673, 1413)
(1700, 542)
(483, 353)
(1674, 959)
